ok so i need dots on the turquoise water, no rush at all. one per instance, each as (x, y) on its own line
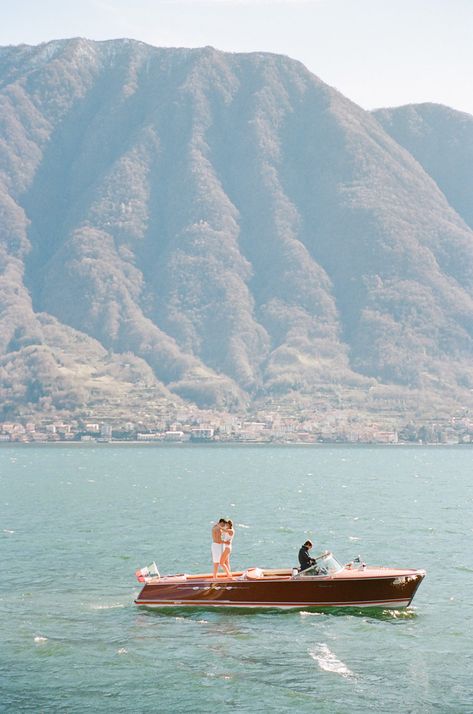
(76, 521)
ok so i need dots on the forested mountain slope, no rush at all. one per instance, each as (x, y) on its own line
(441, 139)
(219, 228)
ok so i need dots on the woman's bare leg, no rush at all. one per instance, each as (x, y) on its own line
(224, 562)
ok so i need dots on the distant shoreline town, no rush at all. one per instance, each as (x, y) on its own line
(228, 429)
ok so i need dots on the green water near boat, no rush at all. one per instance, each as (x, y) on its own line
(76, 522)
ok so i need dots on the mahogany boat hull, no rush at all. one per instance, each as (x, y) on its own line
(383, 588)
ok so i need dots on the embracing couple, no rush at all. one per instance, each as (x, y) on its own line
(222, 537)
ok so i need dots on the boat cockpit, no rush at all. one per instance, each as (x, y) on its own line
(325, 564)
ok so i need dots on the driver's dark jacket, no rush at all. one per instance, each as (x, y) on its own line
(305, 560)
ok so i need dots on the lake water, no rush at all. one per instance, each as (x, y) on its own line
(76, 521)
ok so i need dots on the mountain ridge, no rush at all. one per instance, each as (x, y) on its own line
(241, 229)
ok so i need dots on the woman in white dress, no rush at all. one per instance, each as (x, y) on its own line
(227, 539)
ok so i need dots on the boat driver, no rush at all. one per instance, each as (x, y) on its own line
(305, 561)
(217, 544)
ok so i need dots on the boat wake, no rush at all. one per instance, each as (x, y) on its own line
(371, 613)
(329, 662)
(308, 613)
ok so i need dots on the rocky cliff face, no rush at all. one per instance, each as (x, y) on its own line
(221, 228)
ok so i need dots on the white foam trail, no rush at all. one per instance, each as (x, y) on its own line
(122, 650)
(328, 661)
(106, 607)
(39, 639)
(242, 525)
(7, 530)
(305, 613)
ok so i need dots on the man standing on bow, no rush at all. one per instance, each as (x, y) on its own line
(217, 545)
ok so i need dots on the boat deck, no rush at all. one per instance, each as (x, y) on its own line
(283, 574)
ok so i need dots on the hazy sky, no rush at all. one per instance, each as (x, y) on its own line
(377, 52)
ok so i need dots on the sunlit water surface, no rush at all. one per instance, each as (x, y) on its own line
(76, 521)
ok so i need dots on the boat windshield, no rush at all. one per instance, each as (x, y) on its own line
(325, 564)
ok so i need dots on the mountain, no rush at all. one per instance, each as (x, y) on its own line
(441, 140)
(189, 225)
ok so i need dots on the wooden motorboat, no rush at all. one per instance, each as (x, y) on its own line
(325, 584)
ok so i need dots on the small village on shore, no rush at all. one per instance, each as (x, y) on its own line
(267, 427)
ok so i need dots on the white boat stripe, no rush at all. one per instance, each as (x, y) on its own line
(227, 603)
